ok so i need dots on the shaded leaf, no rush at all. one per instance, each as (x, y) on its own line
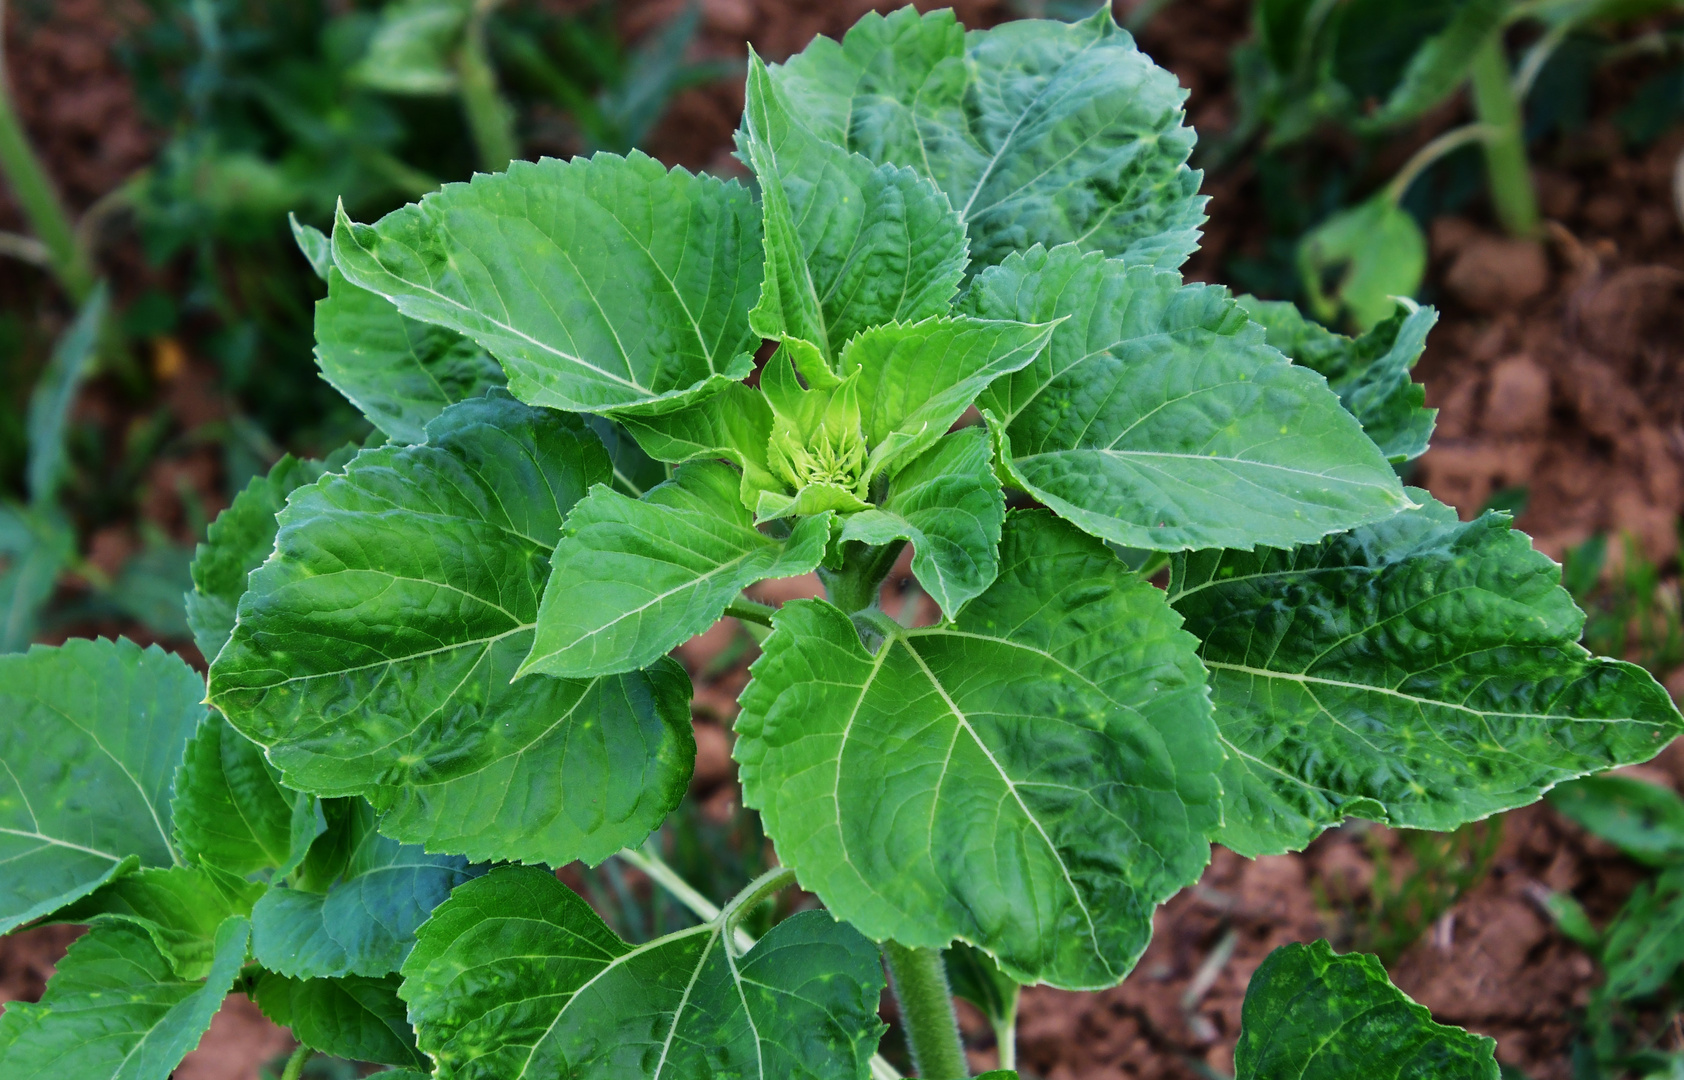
(1423, 672)
(374, 650)
(975, 977)
(55, 392)
(602, 284)
(515, 975)
(357, 1018)
(633, 578)
(1645, 944)
(230, 809)
(1440, 65)
(1644, 820)
(1159, 418)
(1369, 373)
(1314, 1015)
(1033, 778)
(1037, 131)
(90, 735)
(115, 1011)
(181, 908)
(36, 542)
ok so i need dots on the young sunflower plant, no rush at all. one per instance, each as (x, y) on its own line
(440, 663)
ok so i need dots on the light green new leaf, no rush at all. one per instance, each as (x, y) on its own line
(181, 908)
(230, 809)
(90, 735)
(515, 976)
(363, 921)
(848, 244)
(36, 542)
(1372, 254)
(374, 650)
(236, 543)
(1423, 672)
(1644, 820)
(632, 578)
(1645, 944)
(1033, 778)
(1370, 373)
(1310, 1014)
(1038, 131)
(1158, 417)
(357, 1018)
(603, 284)
(916, 380)
(115, 1010)
(313, 244)
(735, 424)
(949, 504)
(398, 372)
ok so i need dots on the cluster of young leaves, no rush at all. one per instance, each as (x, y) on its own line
(455, 643)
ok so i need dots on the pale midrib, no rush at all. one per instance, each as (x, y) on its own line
(56, 842)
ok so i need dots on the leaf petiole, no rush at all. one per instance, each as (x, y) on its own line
(295, 1064)
(751, 611)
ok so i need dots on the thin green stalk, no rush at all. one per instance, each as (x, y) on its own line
(1505, 151)
(750, 611)
(1005, 1032)
(490, 117)
(926, 1011)
(1420, 161)
(37, 197)
(295, 1064)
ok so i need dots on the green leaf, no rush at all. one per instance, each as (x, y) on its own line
(975, 977)
(55, 392)
(1370, 373)
(1440, 65)
(181, 908)
(1033, 778)
(398, 372)
(1646, 821)
(735, 424)
(363, 922)
(632, 578)
(236, 543)
(357, 1018)
(916, 380)
(1314, 1015)
(90, 734)
(230, 809)
(374, 650)
(603, 284)
(1645, 944)
(1038, 131)
(848, 244)
(115, 1011)
(1422, 672)
(635, 472)
(948, 503)
(413, 47)
(515, 975)
(1372, 254)
(36, 542)
(1158, 418)
(313, 244)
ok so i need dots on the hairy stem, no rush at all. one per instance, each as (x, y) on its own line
(750, 611)
(926, 1011)
(490, 117)
(295, 1064)
(1497, 107)
(37, 197)
(855, 587)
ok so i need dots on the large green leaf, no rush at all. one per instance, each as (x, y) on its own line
(1038, 131)
(1370, 373)
(116, 1011)
(1159, 418)
(515, 976)
(90, 735)
(1033, 778)
(375, 650)
(230, 809)
(1310, 1014)
(399, 372)
(1644, 946)
(363, 920)
(848, 244)
(632, 578)
(352, 1017)
(1422, 671)
(600, 284)
(181, 907)
(916, 380)
(949, 504)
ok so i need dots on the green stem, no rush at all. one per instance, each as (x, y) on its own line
(750, 611)
(855, 587)
(760, 888)
(1505, 151)
(295, 1064)
(490, 117)
(1420, 161)
(37, 197)
(1005, 1032)
(926, 1011)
